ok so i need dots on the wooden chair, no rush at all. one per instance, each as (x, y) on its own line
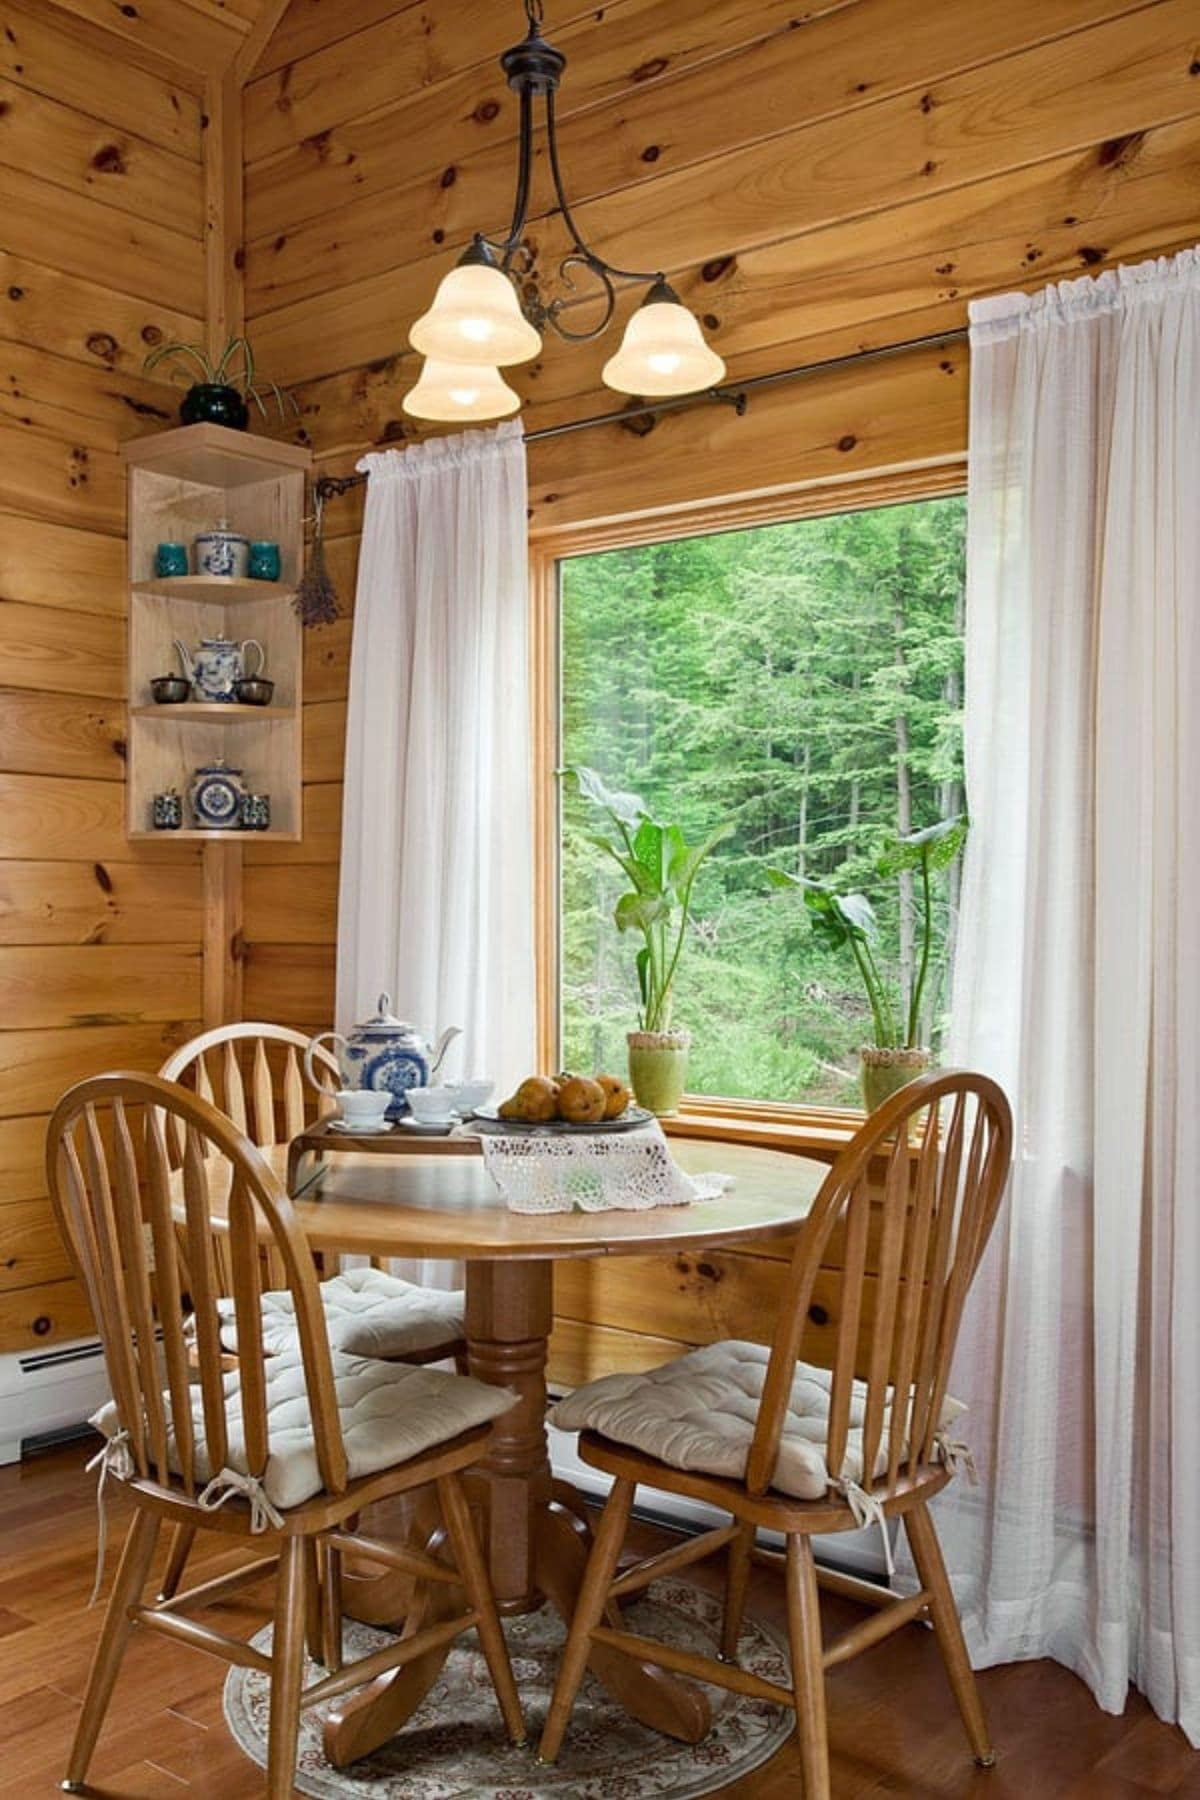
(252, 1072)
(912, 1197)
(268, 1448)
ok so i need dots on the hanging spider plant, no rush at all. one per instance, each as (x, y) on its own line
(220, 385)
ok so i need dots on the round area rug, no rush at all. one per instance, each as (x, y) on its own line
(453, 1747)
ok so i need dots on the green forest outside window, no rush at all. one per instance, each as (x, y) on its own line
(803, 679)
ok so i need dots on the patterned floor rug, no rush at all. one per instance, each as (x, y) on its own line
(453, 1748)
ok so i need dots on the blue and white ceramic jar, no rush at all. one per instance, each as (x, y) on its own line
(222, 551)
(216, 793)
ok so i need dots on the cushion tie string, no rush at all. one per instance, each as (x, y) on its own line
(227, 1483)
(867, 1510)
(955, 1455)
(114, 1457)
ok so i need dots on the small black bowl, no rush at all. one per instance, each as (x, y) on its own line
(169, 690)
(253, 690)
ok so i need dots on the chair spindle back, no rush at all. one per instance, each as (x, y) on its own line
(913, 1198)
(252, 1072)
(137, 1219)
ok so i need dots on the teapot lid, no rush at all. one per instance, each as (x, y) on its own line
(217, 767)
(384, 1016)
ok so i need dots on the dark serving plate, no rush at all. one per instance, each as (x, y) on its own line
(486, 1118)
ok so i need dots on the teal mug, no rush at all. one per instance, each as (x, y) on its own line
(171, 559)
(265, 563)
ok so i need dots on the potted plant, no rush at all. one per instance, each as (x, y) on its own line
(661, 868)
(847, 920)
(226, 383)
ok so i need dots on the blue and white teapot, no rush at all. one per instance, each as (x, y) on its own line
(218, 665)
(385, 1054)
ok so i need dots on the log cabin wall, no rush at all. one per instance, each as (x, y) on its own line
(101, 228)
(814, 180)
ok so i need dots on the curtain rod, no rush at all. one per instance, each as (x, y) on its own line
(328, 487)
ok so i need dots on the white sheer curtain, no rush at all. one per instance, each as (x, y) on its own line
(436, 895)
(1078, 983)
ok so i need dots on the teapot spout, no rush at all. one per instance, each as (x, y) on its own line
(440, 1048)
(185, 661)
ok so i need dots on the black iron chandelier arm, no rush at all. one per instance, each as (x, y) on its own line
(591, 257)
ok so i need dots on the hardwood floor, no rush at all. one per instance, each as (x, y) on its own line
(893, 1727)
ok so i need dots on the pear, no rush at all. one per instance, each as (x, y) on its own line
(581, 1100)
(616, 1095)
(537, 1097)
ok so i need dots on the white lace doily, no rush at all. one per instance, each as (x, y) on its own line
(629, 1171)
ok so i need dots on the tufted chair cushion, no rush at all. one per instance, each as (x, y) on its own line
(699, 1413)
(367, 1312)
(390, 1412)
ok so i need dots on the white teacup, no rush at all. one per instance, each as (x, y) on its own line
(467, 1096)
(363, 1106)
(431, 1105)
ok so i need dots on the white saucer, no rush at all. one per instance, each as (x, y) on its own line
(354, 1130)
(431, 1127)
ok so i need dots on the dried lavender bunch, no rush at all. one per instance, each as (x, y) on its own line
(316, 600)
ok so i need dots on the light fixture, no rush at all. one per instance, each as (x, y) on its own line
(490, 304)
(464, 391)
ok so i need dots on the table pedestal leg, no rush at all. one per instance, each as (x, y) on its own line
(510, 1309)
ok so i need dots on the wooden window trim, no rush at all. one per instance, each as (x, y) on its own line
(811, 1130)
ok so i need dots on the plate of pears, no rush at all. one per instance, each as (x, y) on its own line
(566, 1102)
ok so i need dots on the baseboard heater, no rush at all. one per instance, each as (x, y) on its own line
(45, 1393)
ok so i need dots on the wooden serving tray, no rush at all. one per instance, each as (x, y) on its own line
(318, 1142)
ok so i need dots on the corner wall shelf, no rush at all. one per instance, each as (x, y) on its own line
(181, 483)
(225, 589)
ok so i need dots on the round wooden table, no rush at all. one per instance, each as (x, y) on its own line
(435, 1198)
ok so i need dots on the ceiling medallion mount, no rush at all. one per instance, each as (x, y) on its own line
(489, 312)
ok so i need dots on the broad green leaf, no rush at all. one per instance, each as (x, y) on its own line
(687, 859)
(643, 973)
(629, 809)
(637, 912)
(938, 845)
(649, 847)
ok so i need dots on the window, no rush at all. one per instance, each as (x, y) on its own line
(802, 680)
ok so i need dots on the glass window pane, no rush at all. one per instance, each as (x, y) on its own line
(803, 680)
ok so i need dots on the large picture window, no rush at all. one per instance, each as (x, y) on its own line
(804, 681)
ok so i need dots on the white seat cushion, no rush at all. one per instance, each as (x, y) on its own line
(390, 1412)
(367, 1313)
(699, 1413)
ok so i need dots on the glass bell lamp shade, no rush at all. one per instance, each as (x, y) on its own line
(475, 315)
(663, 351)
(459, 392)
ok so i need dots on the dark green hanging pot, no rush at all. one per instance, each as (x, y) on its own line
(214, 404)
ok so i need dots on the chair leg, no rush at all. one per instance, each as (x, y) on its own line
(737, 1576)
(589, 1607)
(182, 1539)
(468, 1559)
(314, 1616)
(331, 1607)
(808, 1674)
(287, 1667)
(127, 1591)
(927, 1554)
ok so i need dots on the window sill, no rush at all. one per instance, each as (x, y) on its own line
(814, 1131)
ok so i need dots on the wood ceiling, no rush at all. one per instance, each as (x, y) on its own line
(189, 39)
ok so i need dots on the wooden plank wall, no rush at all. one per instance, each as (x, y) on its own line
(814, 179)
(101, 222)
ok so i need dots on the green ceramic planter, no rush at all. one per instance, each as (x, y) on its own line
(658, 1063)
(884, 1072)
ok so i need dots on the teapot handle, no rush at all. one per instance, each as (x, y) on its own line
(185, 660)
(262, 663)
(322, 1087)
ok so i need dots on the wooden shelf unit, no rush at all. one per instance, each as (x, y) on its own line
(181, 483)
